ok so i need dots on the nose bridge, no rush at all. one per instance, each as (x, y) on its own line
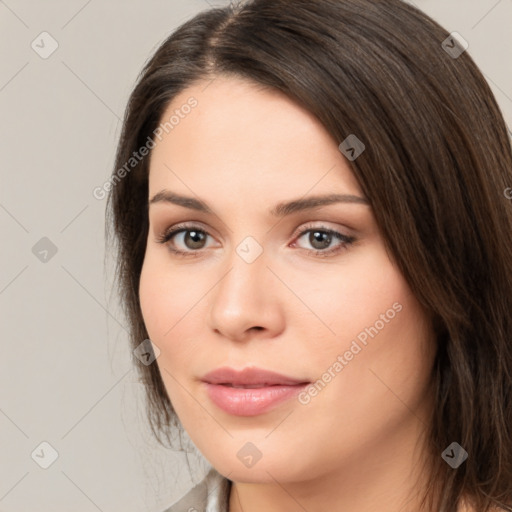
(242, 297)
(246, 275)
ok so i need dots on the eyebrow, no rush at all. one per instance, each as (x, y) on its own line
(280, 210)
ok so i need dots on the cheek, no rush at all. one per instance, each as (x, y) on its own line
(349, 298)
(153, 302)
(165, 296)
(387, 350)
(378, 328)
(171, 308)
(165, 301)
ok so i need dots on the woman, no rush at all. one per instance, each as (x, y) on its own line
(312, 229)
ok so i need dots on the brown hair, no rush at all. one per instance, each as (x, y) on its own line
(437, 161)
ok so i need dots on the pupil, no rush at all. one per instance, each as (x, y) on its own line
(319, 236)
(196, 237)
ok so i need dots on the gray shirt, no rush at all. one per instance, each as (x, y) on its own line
(209, 495)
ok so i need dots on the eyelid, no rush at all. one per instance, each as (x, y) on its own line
(322, 226)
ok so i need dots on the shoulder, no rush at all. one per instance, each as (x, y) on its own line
(209, 495)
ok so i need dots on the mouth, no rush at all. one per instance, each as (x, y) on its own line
(250, 392)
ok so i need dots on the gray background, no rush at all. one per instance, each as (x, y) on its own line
(66, 377)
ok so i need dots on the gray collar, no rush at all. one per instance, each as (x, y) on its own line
(209, 495)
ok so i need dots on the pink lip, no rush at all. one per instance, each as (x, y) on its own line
(262, 390)
(256, 377)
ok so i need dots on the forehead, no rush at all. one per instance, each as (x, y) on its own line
(240, 137)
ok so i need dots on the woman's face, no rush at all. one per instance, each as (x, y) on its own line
(251, 292)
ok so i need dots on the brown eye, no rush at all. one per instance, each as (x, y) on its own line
(320, 239)
(194, 239)
(184, 240)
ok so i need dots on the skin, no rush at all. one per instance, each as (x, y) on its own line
(359, 443)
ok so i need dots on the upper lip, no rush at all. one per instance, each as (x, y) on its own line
(249, 377)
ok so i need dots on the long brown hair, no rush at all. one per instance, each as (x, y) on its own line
(436, 165)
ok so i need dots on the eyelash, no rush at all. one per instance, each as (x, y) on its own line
(167, 236)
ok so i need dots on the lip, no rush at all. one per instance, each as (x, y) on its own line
(251, 376)
(251, 391)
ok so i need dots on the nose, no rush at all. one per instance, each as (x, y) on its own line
(246, 301)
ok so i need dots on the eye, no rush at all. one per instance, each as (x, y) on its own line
(321, 239)
(190, 236)
(193, 239)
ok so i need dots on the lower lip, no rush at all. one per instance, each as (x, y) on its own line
(250, 401)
